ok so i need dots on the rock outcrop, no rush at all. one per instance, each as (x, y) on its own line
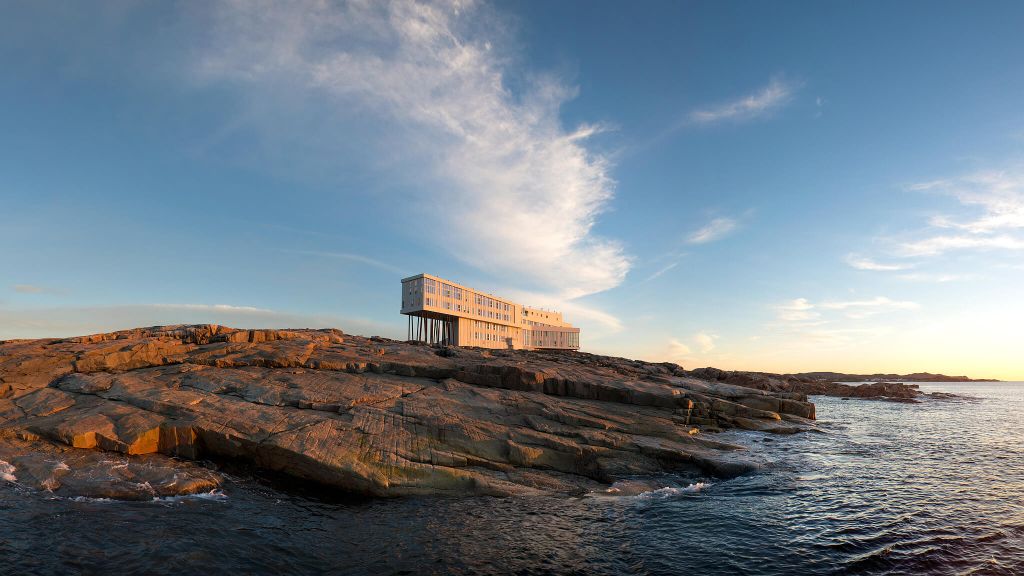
(812, 384)
(364, 415)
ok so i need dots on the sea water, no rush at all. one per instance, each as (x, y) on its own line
(929, 488)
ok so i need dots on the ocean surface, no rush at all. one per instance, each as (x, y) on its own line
(886, 488)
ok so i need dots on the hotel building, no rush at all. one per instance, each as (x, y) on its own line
(441, 311)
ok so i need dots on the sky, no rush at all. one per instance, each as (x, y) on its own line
(790, 186)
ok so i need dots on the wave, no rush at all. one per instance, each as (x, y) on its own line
(215, 495)
(7, 472)
(641, 490)
(670, 491)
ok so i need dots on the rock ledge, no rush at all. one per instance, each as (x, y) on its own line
(368, 415)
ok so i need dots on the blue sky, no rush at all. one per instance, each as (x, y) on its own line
(778, 186)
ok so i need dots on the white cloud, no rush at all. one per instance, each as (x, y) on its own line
(997, 197)
(763, 102)
(937, 245)
(879, 302)
(678, 350)
(28, 289)
(691, 350)
(510, 190)
(717, 228)
(861, 263)
(597, 323)
(803, 314)
(798, 310)
(937, 278)
(834, 324)
(705, 342)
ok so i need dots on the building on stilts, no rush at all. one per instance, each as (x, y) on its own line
(447, 313)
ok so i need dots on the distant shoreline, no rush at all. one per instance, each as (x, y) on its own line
(915, 377)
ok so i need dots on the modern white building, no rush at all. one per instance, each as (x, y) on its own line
(442, 311)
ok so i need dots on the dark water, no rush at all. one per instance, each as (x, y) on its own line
(932, 488)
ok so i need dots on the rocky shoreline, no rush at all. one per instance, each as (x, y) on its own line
(815, 385)
(126, 414)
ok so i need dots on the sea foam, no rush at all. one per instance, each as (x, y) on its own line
(670, 491)
(7, 472)
(643, 490)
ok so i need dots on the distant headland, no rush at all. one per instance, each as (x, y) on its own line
(915, 377)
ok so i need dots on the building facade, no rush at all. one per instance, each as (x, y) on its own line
(444, 312)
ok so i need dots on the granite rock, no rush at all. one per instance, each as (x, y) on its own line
(375, 416)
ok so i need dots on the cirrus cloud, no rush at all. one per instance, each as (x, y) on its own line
(761, 103)
(862, 263)
(713, 230)
(997, 199)
(515, 193)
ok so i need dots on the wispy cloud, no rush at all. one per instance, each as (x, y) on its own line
(596, 322)
(876, 302)
(998, 200)
(834, 323)
(761, 103)
(797, 310)
(802, 311)
(678, 350)
(695, 349)
(936, 245)
(713, 230)
(935, 278)
(862, 263)
(660, 271)
(358, 258)
(510, 190)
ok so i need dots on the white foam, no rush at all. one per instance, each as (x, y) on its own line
(669, 491)
(7, 472)
(217, 495)
(638, 489)
(89, 499)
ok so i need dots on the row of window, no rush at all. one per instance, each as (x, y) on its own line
(545, 339)
(481, 325)
(486, 306)
(493, 314)
(492, 303)
(489, 332)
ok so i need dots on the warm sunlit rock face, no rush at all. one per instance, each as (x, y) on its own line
(366, 415)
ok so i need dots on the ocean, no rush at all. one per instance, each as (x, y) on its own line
(884, 488)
